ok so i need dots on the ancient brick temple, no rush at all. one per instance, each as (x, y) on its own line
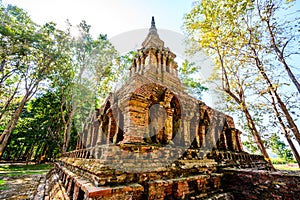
(151, 140)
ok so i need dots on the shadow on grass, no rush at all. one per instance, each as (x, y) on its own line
(19, 170)
(12, 167)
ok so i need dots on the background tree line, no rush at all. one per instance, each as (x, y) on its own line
(46, 77)
(255, 47)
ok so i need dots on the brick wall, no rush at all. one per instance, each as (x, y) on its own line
(260, 184)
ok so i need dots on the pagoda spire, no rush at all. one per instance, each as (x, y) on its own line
(152, 39)
(153, 27)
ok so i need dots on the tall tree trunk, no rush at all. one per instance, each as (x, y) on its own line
(12, 124)
(29, 154)
(44, 152)
(256, 135)
(31, 90)
(36, 153)
(285, 131)
(279, 53)
(280, 56)
(20, 153)
(240, 99)
(67, 130)
(7, 103)
(283, 107)
(24, 155)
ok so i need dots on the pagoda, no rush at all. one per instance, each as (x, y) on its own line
(151, 140)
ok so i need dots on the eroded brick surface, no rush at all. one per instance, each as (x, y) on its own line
(260, 184)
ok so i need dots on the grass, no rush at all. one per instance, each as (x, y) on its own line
(2, 185)
(25, 167)
(21, 169)
(16, 170)
(287, 167)
(282, 164)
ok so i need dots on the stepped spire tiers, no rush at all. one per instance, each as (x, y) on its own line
(155, 61)
(153, 39)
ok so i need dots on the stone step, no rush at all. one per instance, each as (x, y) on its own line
(143, 185)
(40, 190)
(183, 187)
(54, 187)
(213, 195)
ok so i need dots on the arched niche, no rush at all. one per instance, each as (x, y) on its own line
(204, 124)
(159, 112)
(176, 122)
(105, 120)
(228, 134)
(194, 134)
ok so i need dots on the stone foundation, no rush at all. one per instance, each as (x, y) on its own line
(261, 184)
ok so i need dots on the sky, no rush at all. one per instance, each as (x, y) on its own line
(110, 17)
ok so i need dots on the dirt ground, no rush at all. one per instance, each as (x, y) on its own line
(20, 187)
(20, 180)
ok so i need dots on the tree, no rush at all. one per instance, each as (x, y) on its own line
(279, 39)
(38, 60)
(231, 33)
(38, 131)
(92, 63)
(280, 149)
(31, 54)
(212, 27)
(187, 75)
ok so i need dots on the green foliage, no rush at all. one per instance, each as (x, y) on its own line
(26, 167)
(121, 68)
(39, 126)
(188, 76)
(66, 76)
(251, 146)
(280, 148)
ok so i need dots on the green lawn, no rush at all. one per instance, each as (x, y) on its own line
(15, 170)
(293, 167)
(2, 185)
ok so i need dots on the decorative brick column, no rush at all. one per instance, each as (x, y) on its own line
(187, 127)
(239, 141)
(109, 114)
(132, 134)
(142, 64)
(169, 125)
(197, 131)
(202, 142)
(234, 140)
(89, 136)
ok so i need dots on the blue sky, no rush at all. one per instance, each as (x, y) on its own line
(108, 17)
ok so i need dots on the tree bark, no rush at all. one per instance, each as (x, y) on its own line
(15, 118)
(285, 131)
(8, 102)
(284, 109)
(279, 53)
(12, 124)
(19, 154)
(240, 99)
(67, 130)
